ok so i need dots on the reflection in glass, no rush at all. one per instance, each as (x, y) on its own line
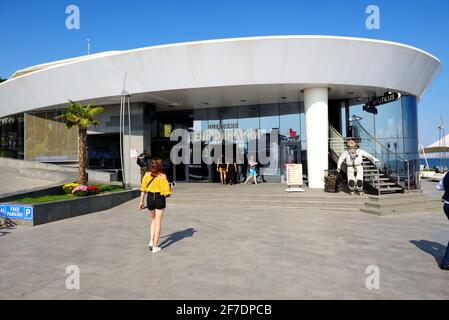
(48, 139)
(290, 135)
(269, 129)
(11, 137)
(395, 128)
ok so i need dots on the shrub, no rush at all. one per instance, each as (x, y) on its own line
(68, 188)
(80, 191)
(93, 190)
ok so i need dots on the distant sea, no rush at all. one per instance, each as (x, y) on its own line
(435, 162)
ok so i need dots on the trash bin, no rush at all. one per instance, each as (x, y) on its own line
(332, 181)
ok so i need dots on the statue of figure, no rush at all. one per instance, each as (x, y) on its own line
(353, 157)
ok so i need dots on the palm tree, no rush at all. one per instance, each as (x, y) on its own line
(81, 117)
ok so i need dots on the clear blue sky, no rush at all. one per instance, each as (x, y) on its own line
(33, 32)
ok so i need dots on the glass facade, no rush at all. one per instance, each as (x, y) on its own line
(255, 121)
(38, 137)
(395, 127)
(11, 137)
(47, 139)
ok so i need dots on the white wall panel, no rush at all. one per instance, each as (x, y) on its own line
(303, 60)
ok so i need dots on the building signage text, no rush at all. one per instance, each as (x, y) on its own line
(16, 212)
(386, 98)
(224, 126)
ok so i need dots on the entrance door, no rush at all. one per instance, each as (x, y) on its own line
(161, 148)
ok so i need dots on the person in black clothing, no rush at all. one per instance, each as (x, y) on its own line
(444, 185)
(232, 170)
(244, 169)
(260, 172)
(142, 161)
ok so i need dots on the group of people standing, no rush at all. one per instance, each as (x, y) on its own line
(227, 172)
(230, 172)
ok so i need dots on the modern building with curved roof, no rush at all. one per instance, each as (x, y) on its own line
(307, 87)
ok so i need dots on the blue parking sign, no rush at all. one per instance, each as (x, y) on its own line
(8, 211)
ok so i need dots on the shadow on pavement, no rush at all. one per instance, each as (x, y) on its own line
(6, 224)
(176, 236)
(435, 249)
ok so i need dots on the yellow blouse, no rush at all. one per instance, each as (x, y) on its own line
(159, 184)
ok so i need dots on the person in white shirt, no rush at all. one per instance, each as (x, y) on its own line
(444, 185)
(353, 157)
(252, 170)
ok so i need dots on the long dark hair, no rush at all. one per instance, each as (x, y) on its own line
(156, 167)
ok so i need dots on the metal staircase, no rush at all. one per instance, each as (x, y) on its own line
(376, 181)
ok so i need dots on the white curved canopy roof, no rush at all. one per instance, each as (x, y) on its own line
(441, 145)
(257, 69)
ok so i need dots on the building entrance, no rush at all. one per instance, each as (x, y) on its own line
(281, 125)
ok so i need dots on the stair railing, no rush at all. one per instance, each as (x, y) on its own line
(380, 151)
(337, 145)
(378, 178)
(336, 141)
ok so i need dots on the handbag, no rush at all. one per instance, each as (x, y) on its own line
(149, 183)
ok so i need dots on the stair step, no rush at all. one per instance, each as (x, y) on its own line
(273, 201)
(389, 185)
(384, 184)
(369, 174)
(409, 196)
(401, 204)
(393, 212)
(389, 192)
(49, 175)
(394, 198)
(303, 206)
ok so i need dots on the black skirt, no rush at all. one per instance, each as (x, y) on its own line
(155, 201)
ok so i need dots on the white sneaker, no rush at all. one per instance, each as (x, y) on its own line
(150, 245)
(156, 249)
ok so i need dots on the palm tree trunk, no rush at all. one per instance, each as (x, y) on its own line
(82, 156)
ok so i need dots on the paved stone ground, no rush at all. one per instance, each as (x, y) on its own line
(12, 181)
(430, 188)
(215, 252)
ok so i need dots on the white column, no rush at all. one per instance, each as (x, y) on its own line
(317, 130)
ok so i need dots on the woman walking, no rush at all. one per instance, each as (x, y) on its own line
(156, 186)
(221, 168)
(252, 170)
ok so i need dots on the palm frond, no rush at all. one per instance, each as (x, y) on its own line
(78, 115)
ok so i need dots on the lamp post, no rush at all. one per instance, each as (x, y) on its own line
(88, 47)
(442, 141)
(125, 104)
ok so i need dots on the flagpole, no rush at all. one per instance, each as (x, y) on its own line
(125, 104)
